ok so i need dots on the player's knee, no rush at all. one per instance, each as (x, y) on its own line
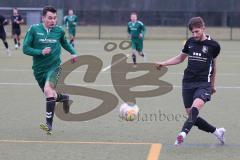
(48, 91)
(188, 110)
(198, 103)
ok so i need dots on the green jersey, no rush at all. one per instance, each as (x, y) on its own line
(37, 38)
(134, 29)
(71, 21)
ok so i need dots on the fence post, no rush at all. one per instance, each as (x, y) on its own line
(231, 26)
(99, 24)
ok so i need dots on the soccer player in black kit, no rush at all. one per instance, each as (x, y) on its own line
(3, 21)
(198, 82)
(16, 30)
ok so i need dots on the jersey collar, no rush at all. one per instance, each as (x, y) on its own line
(47, 29)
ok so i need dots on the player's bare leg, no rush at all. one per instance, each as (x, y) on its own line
(15, 38)
(141, 54)
(192, 117)
(6, 46)
(134, 57)
(201, 124)
(18, 41)
(72, 40)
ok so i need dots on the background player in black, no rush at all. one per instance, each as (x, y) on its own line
(199, 77)
(3, 21)
(16, 30)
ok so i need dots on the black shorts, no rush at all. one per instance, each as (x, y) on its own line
(3, 36)
(16, 31)
(191, 91)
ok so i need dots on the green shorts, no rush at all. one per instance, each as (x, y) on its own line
(72, 31)
(137, 44)
(51, 75)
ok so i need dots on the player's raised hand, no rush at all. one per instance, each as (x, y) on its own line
(46, 50)
(74, 58)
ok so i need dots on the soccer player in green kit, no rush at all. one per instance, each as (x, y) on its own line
(136, 30)
(71, 22)
(43, 42)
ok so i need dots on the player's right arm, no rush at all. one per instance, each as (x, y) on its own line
(177, 59)
(65, 22)
(172, 61)
(27, 44)
(128, 29)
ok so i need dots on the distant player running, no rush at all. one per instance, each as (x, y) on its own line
(136, 30)
(199, 78)
(3, 21)
(43, 42)
(16, 29)
(71, 23)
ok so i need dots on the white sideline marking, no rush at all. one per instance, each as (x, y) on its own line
(77, 71)
(108, 67)
(107, 85)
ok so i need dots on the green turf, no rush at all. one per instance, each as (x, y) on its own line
(22, 110)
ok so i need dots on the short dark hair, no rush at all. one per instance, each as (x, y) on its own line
(195, 22)
(48, 9)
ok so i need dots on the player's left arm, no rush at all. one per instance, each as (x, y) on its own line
(214, 67)
(213, 76)
(143, 30)
(68, 47)
(75, 21)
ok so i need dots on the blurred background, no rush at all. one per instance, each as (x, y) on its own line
(164, 19)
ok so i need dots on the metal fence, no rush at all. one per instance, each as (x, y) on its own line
(111, 24)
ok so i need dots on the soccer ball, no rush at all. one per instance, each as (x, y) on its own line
(129, 111)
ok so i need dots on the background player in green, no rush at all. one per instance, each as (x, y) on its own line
(71, 22)
(136, 30)
(43, 42)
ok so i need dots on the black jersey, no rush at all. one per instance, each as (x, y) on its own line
(3, 21)
(15, 25)
(200, 59)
